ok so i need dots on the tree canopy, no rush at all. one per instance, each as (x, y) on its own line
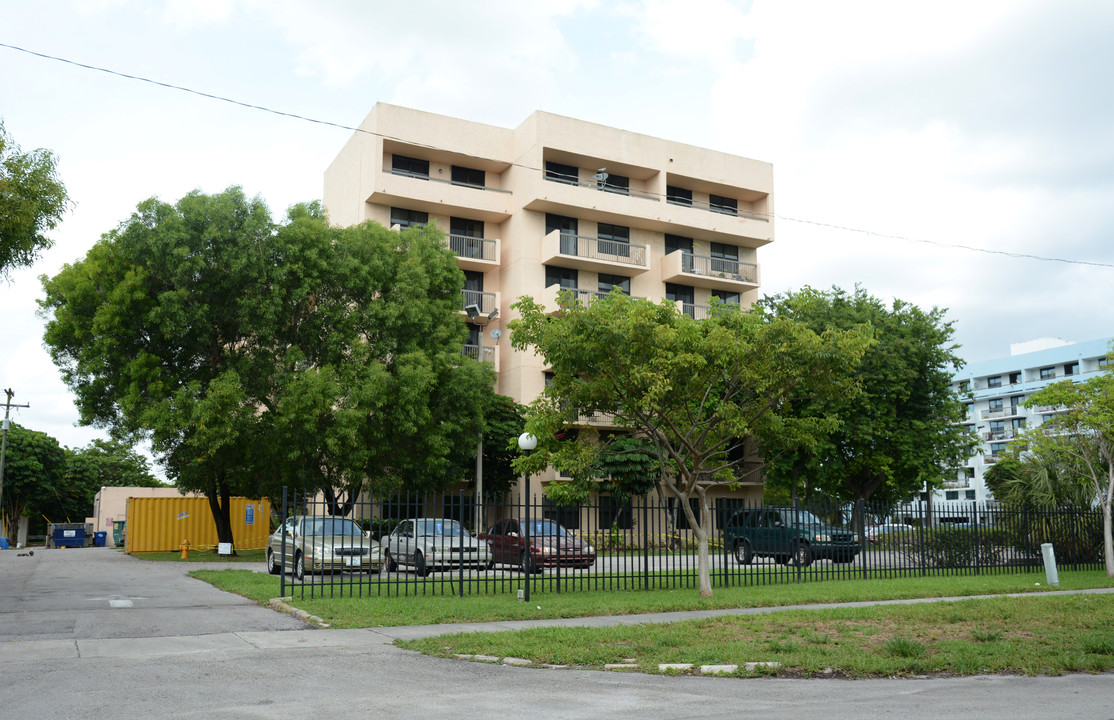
(255, 353)
(900, 431)
(48, 483)
(32, 202)
(695, 390)
(1078, 441)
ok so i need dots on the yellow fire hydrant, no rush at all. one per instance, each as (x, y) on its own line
(185, 549)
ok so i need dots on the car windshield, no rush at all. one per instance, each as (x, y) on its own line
(545, 527)
(443, 528)
(331, 526)
(800, 517)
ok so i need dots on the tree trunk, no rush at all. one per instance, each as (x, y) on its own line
(219, 505)
(703, 561)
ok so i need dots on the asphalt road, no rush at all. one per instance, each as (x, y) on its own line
(92, 633)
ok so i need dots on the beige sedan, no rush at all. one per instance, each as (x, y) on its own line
(321, 544)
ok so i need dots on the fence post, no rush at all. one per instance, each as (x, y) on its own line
(282, 549)
(646, 542)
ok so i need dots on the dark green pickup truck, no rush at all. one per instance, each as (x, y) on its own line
(789, 536)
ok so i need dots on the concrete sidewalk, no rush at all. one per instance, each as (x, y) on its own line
(252, 641)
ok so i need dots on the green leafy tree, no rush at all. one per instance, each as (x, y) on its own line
(1079, 441)
(254, 354)
(503, 422)
(695, 390)
(32, 202)
(34, 483)
(1030, 480)
(102, 463)
(901, 431)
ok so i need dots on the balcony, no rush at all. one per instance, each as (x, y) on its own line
(595, 254)
(439, 196)
(488, 302)
(484, 353)
(1003, 413)
(474, 253)
(998, 435)
(708, 272)
(597, 185)
(1049, 409)
(549, 297)
(703, 312)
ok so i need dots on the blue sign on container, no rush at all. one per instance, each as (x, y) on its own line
(249, 514)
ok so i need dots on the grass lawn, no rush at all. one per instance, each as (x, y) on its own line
(1037, 635)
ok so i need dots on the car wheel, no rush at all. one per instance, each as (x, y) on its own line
(526, 562)
(744, 553)
(420, 568)
(390, 561)
(490, 565)
(802, 555)
(299, 567)
(272, 567)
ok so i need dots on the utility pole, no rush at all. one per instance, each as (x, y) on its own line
(4, 446)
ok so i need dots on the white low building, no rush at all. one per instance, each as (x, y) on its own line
(995, 392)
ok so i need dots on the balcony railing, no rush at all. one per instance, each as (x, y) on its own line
(703, 312)
(593, 248)
(721, 209)
(564, 179)
(1003, 413)
(421, 176)
(486, 353)
(719, 267)
(487, 301)
(471, 247)
(998, 435)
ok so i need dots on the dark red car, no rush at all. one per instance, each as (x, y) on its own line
(549, 543)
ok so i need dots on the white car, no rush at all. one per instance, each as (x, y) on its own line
(322, 544)
(428, 544)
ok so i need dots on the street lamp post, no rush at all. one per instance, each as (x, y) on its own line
(527, 443)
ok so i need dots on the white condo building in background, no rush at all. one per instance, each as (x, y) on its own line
(996, 390)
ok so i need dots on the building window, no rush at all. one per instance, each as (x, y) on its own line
(1015, 378)
(567, 516)
(725, 205)
(965, 386)
(606, 282)
(569, 228)
(565, 277)
(412, 167)
(995, 405)
(725, 258)
(558, 172)
(408, 218)
(997, 449)
(678, 195)
(1071, 368)
(613, 513)
(614, 239)
(679, 513)
(684, 295)
(730, 298)
(466, 237)
(951, 495)
(1018, 423)
(969, 473)
(616, 184)
(468, 176)
(970, 494)
(1104, 363)
(993, 382)
(1048, 373)
(997, 426)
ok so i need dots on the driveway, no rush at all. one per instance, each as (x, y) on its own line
(91, 633)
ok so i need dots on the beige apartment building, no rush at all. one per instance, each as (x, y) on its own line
(559, 203)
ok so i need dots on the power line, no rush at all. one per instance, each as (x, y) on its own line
(263, 108)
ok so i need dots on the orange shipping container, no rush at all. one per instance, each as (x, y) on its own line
(160, 524)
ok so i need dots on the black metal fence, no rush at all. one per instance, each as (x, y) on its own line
(449, 544)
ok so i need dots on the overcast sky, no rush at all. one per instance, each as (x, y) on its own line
(898, 131)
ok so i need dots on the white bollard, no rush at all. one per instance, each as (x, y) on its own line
(1050, 573)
